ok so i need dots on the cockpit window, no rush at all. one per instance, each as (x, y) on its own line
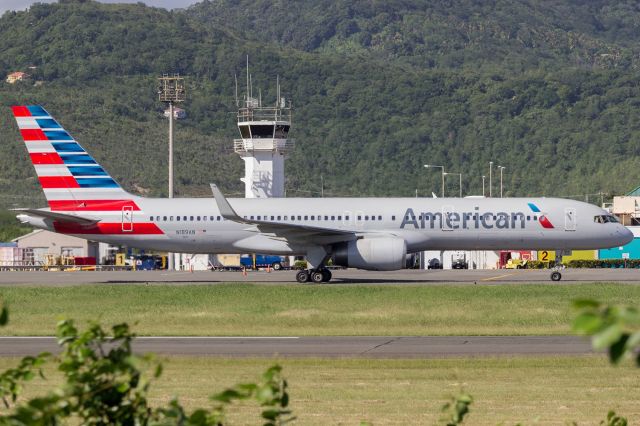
(607, 218)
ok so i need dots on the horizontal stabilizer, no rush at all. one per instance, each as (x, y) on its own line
(59, 217)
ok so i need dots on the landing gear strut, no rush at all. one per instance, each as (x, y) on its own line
(556, 275)
(319, 275)
(317, 258)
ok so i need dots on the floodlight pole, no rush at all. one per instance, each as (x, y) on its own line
(171, 90)
(170, 149)
(483, 177)
(490, 176)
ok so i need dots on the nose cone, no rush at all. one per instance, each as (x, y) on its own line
(625, 235)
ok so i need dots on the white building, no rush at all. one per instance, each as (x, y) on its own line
(43, 242)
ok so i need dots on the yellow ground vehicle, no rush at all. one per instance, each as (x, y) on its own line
(516, 264)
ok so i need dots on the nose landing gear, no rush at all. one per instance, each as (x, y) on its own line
(556, 275)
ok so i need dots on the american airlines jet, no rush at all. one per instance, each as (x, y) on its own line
(365, 233)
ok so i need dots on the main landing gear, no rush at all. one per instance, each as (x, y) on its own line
(320, 275)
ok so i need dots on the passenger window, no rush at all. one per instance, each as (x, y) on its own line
(393, 218)
(359, 217)
(373, 218)
(366, 218)
(157, 218)
(204, 218)
(339, 217)
(251, 217)
(198, 218)
(191, 218)
(346, 218)
(313, 217)
(178, 218)
(151, 219)
(333, 218)
(272, 217)
(279, 217)
(184, 218)
(379, 217)
(326, 218)
(218, 217)
(299, 217)
(170, 218)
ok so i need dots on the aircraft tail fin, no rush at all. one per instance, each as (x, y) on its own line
(71, 179)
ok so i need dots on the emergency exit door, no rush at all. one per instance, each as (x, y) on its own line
(127, 219)
(569, 219)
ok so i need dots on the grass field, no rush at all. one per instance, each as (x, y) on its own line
(293, 310)
(541, 391)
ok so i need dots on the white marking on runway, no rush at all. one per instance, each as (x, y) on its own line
(167, 337)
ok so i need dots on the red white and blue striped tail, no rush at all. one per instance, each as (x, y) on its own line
(71, 179)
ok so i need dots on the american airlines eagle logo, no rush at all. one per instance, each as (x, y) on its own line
(543, 219)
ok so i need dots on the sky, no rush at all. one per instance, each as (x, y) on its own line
(23, 4)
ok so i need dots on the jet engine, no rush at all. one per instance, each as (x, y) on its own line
(373, 254)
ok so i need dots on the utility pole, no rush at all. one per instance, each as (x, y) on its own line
(490, 175)
(171, 91)
(460, 176)
(501, 170)
(483, 177)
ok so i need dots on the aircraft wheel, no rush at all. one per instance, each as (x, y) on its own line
(326, 275)
(317, 277)
(302, 276)
(556, 276)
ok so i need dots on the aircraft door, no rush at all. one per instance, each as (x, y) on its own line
(569, 219)
(127, 219)
(447, 218)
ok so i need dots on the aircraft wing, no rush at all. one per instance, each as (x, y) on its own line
(58, 217)
(288, 231)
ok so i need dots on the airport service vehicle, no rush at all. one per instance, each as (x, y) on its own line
(515, 264)
(365, 233)
(459, 261)
(262, 261)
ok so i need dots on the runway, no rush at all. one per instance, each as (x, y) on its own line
(340, 277)
(331, 347)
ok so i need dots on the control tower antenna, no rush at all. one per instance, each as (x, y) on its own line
(235, 77)
(264, 142)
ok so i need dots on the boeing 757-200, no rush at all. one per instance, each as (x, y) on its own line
(365, 233)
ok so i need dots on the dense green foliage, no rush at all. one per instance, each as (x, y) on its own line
(10, 228)
(105, 383)
(551, 90)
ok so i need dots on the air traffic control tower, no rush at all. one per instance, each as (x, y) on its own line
(264, 144)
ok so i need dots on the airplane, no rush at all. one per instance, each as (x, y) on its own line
(365, 233)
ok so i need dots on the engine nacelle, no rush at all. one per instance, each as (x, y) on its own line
(373, 254)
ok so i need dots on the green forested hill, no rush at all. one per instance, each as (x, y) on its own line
(551, 90)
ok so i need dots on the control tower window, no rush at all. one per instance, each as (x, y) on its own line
(281, 131)
(262, 131)
(244, 132)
